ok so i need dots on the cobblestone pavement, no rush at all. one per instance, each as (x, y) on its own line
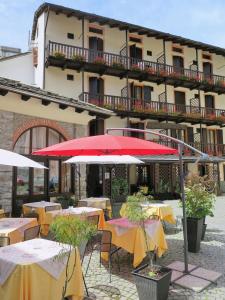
(211, 256)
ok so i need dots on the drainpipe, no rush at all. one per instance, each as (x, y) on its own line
(83, 53)
(46, 23)
(199, 94)
(127, 81)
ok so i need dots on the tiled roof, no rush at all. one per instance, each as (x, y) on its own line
(123, 26)
(37, 93)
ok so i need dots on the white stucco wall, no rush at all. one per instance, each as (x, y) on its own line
(18, 68)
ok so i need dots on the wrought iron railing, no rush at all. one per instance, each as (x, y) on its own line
(118, 103)
(149, 68)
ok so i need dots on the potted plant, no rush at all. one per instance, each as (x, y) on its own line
(152, 281)
(118, 65)
(202, 204)
(72, 233)
(59, 55)
(78, 58)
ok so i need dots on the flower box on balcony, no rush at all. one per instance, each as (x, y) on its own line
(118, 65)
(135, 68)
(208, 81)
(59, 55)
(94, 101)
(78, 58)
(150, 70)
(220, 83)
(99, 61)
(193, 115)
(163, 73)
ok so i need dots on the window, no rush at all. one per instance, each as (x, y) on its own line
(135, 39)
(70, 35)
(70, 77)
(95, 30)
(149, 53)
(206, 56)
(35, 182)
(177, 49)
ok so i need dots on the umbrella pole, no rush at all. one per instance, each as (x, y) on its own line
(180, 150)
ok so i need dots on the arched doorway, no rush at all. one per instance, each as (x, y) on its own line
(30, 184)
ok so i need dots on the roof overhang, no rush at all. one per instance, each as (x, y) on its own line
(175, 159)
(123, 26)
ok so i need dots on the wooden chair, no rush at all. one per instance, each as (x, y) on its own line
(53, 207)
(2, 215)
(50, 236)
(31, 215)
(7, 214)
(4, 241)
(93, 220)
(32, 233)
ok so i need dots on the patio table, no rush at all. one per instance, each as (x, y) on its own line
(98, 202)
(130, 237)
(14, 228)
(39, 208)
(31, 270)
(163, 211)
(77, 212)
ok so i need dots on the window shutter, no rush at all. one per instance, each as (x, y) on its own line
(147, 93)
(190, 134)
(219, 135)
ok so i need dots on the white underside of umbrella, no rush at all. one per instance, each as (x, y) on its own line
(9, 158)
(104, 159)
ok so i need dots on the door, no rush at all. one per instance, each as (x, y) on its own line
(219, 141)
(209, 104)
(96, 91)
(180, 101)
(138, 125)
(178, 64)
(207, 70)
(96, 48)
(135, 54)
(147, 93)
(94, 181)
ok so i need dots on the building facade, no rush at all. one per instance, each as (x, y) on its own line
(150, 79)
(8, 51)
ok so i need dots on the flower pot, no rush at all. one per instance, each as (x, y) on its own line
(194, 234)
(203, 231)
(150, 287)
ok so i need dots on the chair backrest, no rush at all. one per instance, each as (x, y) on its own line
(116, 209)
(53, 207)
(31, 233)
(4, 241)
(31, 215)
(82, 249)
(106, 241)
(2, 215)
(93, 220)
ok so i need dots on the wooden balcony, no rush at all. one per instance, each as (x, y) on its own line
(210, 149)
(78, 58)
(156, 110)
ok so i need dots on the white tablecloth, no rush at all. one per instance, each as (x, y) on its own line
(41, 204)
(38, 251)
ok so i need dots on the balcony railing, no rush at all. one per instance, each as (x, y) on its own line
(118, 65)
(210, 149)
(156, 109)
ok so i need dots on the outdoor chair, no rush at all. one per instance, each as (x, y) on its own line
(53, 207)
(4, 241)
(31, 215)
(116, 207)
(106, 246)
(31, 233)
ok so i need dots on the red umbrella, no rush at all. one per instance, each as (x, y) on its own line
(106, 145)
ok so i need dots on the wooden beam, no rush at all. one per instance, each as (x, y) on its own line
(25, 97)
(91, 113)
(45, 102)
(79, 110)
(3, 92)
(63, 106)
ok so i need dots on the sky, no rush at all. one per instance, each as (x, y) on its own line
(201, 20)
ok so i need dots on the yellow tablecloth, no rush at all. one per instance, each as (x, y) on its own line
(14, 228)
(49, 217)
(31, 282)
(163, 211)
(2, 211)
(133, 241)
(97, 202)
(27, 208)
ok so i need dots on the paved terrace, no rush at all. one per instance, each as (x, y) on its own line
(211, 256)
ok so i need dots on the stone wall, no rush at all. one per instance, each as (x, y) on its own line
(10, 124)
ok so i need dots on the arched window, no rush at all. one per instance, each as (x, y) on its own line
(40, 184)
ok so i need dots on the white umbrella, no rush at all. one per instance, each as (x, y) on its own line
(104, 159)
(9, 158)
